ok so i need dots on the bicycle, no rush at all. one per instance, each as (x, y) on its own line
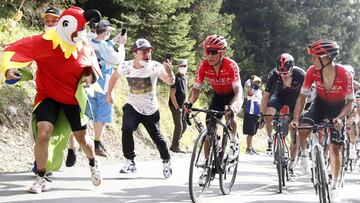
(211, 155)
(280, 149)
(319, 176)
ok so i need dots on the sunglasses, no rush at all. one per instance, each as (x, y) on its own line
(212, 51)
(282, 73)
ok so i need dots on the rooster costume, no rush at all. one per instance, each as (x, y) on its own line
(62, 58)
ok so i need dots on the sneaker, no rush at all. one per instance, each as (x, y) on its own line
(167, 171)
(233, 155)
(304, 164)
(176, 149)
(352, 152)
(129, 167)
(203, 178)
(70, 158)
(335, 195)
(254, 151)
(249, 151)
(39, 186)
(96, 176)
(269, 146)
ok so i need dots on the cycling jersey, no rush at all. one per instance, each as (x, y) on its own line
(342, 88)
(222, 83)
(275, 82)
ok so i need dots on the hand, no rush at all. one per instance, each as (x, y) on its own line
(260, 121)
(229, 111)
(168, 67)
(109, 98)
(120, 39)
(187, 107)
(13, 74)
(294, 123)
(338, 123)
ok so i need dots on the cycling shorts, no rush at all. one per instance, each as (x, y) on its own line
(320, 110)
(48, 110)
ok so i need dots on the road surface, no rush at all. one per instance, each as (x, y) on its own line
(256, 182)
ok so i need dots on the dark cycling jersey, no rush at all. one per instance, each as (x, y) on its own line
(342, 88)
(274, 80)
(222, 83)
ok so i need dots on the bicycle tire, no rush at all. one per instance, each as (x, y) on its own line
(198, 162)
(229, 169)
(323, 189)
(278, 161)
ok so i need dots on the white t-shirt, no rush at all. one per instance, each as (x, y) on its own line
(141, 85)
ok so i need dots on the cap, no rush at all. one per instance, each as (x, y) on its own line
(141, 44)
(103, 26)
(52, 11)
(183, 62)
(256, 79)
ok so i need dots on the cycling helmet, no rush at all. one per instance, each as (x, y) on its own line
(324, 47)
(350, 69)
(284, 63)
(215, 42)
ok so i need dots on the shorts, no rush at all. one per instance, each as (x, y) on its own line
(250, 124)
(320, 110)
(218, 102)
(102, 111)
(282, 97)
(48, 110)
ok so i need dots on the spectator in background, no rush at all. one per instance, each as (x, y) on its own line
(252, 112)
(176, 101)
(142, 105)
(51, 18)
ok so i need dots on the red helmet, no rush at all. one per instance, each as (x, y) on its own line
(215, 42)
(324, 47)
(284, 63)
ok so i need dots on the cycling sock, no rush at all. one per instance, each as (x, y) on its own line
(92, 162)
(41, 172)
(97, 144)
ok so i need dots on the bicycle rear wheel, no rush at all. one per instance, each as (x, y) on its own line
(322, 185)
(278, 161)
(229, 168)
(199, 165)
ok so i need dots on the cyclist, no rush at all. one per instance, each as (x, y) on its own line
(334, 88)
(352, 119)
(282, 88)
(223, 76)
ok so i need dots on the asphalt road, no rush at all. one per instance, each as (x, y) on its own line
(256, 182)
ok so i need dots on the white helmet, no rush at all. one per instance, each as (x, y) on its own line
(350, 69)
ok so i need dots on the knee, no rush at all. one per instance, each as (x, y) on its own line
(335, 151)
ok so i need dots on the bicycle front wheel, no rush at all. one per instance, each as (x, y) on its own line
(322, 185)
(229, 168)
(200, 170)
(278, 161)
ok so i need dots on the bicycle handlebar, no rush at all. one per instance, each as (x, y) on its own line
(208, 111)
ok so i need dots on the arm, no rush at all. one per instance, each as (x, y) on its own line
(299, 107)
(238, 100)
(112, 83)
(346, 109)
(167, 74)
(173, 98)
(194, 95)
(264, 101)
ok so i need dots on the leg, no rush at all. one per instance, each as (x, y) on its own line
(176, 114)
(129, 125)
(41, 146)
(335, 163)
(72, 143)
(152, 125)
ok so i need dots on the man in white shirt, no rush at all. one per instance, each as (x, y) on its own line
(142, 105)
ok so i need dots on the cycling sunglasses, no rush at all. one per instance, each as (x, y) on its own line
(212, 51)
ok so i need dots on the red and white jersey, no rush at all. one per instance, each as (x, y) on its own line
(222, 83)
(342, 88)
